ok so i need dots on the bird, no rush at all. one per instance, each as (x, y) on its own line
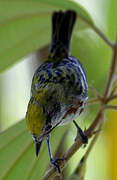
(59, 89)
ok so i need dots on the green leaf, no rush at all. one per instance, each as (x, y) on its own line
(24, 30)
(17, 153)
(71, 5)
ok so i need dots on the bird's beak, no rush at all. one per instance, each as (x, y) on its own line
(38, 147)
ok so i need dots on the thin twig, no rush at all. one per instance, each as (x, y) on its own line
(112, 98)
(112, 70)
(102, 35)
(95, 100)
(113, 90)
(99, 32)
(95, 92)
(112, 107)
(111, 73)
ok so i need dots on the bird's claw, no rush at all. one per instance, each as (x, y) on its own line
(81, 134)
(56, 164)
(84, 138)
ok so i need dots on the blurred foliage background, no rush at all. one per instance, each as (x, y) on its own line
(25, 27)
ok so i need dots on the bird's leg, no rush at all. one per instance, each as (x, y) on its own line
(52, 161)
(81, 134)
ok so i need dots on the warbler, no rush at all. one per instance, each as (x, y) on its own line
(59, 87)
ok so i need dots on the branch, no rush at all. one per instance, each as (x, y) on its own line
(94, 90)
(114, 89)
(112, 98)
(95, 100)
(111, 73)
(113, 107)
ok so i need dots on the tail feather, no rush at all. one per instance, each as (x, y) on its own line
(66, 28)
(62, 26)
(56, 18)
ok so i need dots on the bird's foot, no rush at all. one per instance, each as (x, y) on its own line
(83, 137)
(55, 163)
(81, 134)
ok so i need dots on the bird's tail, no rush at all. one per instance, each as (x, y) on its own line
(62, 26)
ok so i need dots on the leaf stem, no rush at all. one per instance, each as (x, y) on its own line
(102, 35)
(99, 32)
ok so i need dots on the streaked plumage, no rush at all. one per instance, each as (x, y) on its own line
(59, 86)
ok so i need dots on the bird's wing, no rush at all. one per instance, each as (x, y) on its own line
(68, 73)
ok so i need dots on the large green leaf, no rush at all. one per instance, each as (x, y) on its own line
(17, 153)
(25, 26)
